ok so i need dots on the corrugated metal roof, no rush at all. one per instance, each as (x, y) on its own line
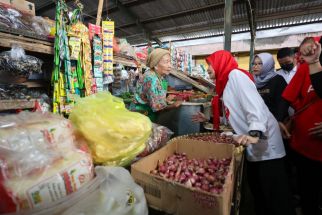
(245, 27)
(185, 19)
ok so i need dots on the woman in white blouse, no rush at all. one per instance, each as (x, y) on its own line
(256, 128)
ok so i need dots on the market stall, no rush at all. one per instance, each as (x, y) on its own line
(52, 171)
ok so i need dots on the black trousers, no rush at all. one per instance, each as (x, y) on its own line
(310, 184)
(270, 188)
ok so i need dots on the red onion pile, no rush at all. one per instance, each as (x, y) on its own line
(205, 174)
(215, 137)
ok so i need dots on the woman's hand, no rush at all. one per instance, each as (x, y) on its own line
(177, 104)
(317, 130)
(245, 139)
(170, 98)
(310, 51)
(199, 117)
(284, 131)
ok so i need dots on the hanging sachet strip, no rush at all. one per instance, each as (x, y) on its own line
(108, 34)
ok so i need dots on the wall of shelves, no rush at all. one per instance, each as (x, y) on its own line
(17, 104)
(29, 44)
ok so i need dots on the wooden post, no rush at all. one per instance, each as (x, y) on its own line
(250, 4)
(99, 12)
(228, 24)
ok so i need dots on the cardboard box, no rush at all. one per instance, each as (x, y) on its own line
(24, 6)
(21, 5)
(174, 198)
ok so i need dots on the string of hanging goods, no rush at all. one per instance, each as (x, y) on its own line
(72, 75)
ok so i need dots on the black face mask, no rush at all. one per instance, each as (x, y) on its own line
(287, 67)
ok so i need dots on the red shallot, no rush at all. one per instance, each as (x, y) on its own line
(204, 174)
(214, 137)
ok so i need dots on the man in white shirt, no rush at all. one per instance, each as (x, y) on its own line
(287, 61)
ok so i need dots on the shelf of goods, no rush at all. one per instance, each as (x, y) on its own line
(124, 61)
(204, 81)
(17, 104)
(28, 44)
(194, 83)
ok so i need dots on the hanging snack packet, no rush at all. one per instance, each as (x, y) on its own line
(75, 47)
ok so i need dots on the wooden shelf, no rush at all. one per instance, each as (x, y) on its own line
(17, 104)
(124, 61)
(36, 84)
(29, 44)
(203, 81)
(185, 78)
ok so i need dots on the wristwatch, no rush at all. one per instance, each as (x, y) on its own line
(255, 133)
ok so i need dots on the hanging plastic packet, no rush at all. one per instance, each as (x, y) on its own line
(99, 83)
(98, 51)
(75, 47)
(95, 35)
(85, 58)
(98, 59)
(108, 34)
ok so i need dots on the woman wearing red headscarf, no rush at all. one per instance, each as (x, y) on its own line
(306, 139)
(257, 128)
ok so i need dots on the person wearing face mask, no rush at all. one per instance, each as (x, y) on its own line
(150, 96)
(287, 61)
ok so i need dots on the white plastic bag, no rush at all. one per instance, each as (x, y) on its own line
(17, 52)
(118, 194)
(124, 75)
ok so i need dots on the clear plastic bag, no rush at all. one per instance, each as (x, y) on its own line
(40, 25)
(118, 194)
(4, 19)
(17, 52)
(12, 18)
(16, 63)
(17, 91)
(17, 21)
(113, 191)
(124, 75)
(40, 161)
(159, 137)
(128, 50)
(115, 135)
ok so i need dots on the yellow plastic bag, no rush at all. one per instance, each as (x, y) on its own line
(114, 134)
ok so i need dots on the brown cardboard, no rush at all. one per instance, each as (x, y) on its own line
(21, 5)
(24, 6)
(175, 198)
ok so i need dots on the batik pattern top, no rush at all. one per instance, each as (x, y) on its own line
(152, 91)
